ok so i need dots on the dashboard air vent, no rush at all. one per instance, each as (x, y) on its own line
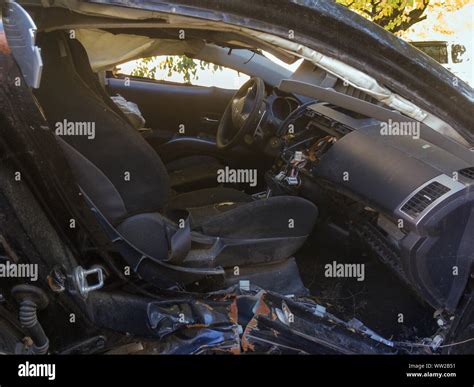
(467, 172)
(423, 198)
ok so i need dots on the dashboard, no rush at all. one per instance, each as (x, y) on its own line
(419, 195)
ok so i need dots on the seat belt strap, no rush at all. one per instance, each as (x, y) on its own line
(180, 242)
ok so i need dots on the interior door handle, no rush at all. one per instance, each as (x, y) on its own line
(210, 120)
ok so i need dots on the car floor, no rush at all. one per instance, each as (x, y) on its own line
(377, 301)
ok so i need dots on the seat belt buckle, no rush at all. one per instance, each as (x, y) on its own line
(81, 281)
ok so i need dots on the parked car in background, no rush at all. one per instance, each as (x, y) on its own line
(454, 56)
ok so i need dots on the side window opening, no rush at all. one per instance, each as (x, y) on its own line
(181, 69)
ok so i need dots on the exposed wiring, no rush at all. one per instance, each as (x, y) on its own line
(457, 343)
(406, 343)
(294, 115)
(250, 58)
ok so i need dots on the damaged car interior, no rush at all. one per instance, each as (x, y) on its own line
(350, 242)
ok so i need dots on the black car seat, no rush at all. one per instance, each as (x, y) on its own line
(165, 239)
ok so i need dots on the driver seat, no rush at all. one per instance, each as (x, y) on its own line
(166, 239)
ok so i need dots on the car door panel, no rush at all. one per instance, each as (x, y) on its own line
(167, 106)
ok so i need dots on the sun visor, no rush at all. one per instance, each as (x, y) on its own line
(106, 49)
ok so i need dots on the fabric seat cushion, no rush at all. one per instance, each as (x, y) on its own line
(275, 217)
(227, 212)
(204, 203)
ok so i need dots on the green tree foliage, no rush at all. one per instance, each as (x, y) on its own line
(399, 15)
(148, 67)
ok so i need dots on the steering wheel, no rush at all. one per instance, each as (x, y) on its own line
(241, 114)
